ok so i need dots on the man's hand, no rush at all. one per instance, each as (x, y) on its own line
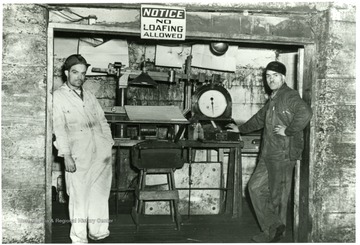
(69, 164)
(280, 130)
(232, 127)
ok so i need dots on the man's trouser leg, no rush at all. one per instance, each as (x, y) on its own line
(280, 180)
(268, 187)
(77, 189)
(287, 190)
(260, 195)
(89, 189)
(98, 211)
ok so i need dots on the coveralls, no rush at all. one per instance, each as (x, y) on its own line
(270, 184)
(81, 130)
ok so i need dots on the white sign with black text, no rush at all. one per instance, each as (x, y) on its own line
(160, 22)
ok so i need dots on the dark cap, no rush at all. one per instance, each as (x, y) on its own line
(277, 67)
(74, 59)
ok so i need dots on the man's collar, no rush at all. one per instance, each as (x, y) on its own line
(67, 86)
(274, 94)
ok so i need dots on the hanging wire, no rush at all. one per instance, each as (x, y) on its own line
(182, 50)
(60, 12)
(67, 9)
(76, 20)
(63, 16)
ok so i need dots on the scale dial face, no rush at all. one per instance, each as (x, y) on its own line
(212, 103)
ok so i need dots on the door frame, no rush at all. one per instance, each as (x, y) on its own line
(302, 232)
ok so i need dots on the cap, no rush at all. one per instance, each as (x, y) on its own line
(74, 59)
(277, 67)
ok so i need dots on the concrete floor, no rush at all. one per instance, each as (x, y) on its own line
(160, 228)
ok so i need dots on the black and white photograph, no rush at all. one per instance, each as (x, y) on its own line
(178, 122)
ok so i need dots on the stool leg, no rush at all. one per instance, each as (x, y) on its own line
(142, 187)
(175, 202)
(172, 204)
(136, 211)
(177, 214)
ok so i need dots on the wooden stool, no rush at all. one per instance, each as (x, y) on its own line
(157, 157)
(171, 195)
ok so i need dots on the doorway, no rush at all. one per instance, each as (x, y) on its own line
(302, 68)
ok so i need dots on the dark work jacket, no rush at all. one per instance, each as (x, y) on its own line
(284, 108)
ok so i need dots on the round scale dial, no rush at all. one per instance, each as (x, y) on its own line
(212, 103)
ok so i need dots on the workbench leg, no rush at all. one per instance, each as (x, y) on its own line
(230, 183)
(222, 177)
(237, 204)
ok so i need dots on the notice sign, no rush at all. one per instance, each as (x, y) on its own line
(160, 22)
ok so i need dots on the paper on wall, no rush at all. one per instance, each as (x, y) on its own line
(172, 56)
(101, 55)
(254, 57)
(203, 58)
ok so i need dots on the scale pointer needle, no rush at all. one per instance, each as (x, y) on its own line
(212, 104)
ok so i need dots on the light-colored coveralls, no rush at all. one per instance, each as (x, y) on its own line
(82, 131)
(270, 184)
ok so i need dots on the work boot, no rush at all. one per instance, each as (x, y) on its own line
(276, 232)
(261, 237)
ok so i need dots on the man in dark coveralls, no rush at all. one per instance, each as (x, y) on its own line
(282, 119)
